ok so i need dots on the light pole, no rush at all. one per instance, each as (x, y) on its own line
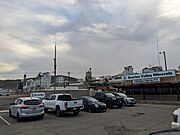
(55, 67)
(165, 62)
(69, 77)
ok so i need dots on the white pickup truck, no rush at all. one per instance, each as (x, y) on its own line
(62, 103)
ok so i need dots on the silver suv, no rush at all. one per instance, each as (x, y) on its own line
(26, 107)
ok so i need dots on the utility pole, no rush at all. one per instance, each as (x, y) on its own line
(69, 77)
(55, 66)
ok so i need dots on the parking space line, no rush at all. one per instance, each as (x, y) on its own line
(50, 116)
(4, 111)
(5, 121)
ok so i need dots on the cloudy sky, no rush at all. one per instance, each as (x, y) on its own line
(105, 35)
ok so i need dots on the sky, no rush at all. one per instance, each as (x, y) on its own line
(105, 35)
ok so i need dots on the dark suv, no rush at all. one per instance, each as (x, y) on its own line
(109, 99)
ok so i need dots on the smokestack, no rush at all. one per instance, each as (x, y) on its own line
(24, 77)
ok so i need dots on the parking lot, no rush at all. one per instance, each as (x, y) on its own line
(138, 120)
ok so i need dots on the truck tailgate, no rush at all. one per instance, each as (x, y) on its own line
(75, 103)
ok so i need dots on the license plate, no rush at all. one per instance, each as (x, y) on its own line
(74, 109)
(32, 107)
(32, 111)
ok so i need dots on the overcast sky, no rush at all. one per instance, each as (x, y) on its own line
(105, 35)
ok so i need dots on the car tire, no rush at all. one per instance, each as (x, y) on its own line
(109, 105)
(41, 117)
(10, 115)
(45, 110)
(18, 117)
(76, 112)
(58, 111)
(119, 106)
(91, 110)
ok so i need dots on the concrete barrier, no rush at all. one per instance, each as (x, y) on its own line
(158, 102)
(74, 93)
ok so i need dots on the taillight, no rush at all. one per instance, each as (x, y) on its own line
(24, 107)
(66, 104)
(41, 105)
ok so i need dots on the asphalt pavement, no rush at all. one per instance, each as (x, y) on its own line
(138, 120)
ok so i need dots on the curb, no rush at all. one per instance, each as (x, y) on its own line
(158, 102)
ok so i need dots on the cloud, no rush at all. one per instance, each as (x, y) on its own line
(102, 34)
(7, 67)
(55, 21)
(170, 9)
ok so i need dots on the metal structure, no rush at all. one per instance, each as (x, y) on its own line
(55, 66)
(165, 61)
(157, 45)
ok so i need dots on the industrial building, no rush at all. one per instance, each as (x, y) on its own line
(162, 84)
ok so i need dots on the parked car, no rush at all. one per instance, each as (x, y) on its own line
(167, 132)
(93, 105)
(127, 101)
(4, 93)
(63, 103)
(109, 99)
(176, 119)
(26, 107)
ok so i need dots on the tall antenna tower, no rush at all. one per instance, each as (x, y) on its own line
(157, 45)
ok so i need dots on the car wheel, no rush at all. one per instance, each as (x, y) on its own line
(91, 110)
(76, 112)
(119, 106)
(41, 117)
(45, 110)
(58, 111)
(18, 117)
(110, 105)
(10, 113)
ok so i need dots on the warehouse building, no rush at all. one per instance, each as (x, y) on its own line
(163, 85)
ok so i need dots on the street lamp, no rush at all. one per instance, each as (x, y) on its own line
(165, 62)
(69, 77)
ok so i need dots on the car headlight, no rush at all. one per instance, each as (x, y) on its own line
(96, 105)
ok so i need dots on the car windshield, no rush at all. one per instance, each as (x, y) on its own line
(32, 102)
(110, 95)
(92, 99)
(64, 97)
(122, 95)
